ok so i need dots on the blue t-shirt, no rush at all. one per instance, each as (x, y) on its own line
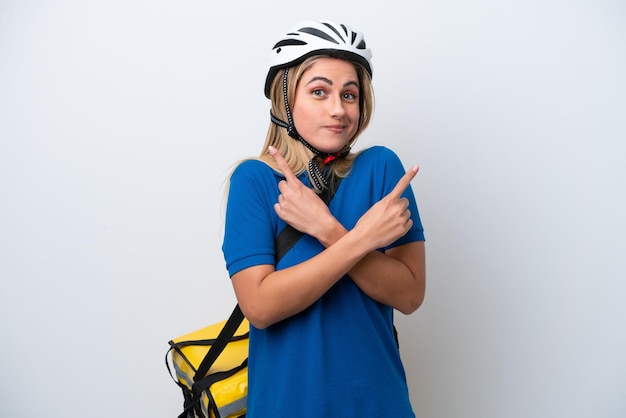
(337, 358)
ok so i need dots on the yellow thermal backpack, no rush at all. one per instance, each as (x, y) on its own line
(211, 367)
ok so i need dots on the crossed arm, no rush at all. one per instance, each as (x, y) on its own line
(395, 278)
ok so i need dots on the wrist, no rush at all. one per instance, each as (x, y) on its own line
(331, 232)
(357, 242)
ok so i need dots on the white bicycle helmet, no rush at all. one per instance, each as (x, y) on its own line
(317, 38)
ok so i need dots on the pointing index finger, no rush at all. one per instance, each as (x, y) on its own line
(282, 164)
(403, 183)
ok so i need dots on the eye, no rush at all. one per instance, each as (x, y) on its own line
(318, 92)
(350, 96)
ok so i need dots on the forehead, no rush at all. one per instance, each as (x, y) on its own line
(331, 67)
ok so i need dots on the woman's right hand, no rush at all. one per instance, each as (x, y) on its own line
(300, 206)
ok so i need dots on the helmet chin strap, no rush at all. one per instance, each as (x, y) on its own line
(319, 178)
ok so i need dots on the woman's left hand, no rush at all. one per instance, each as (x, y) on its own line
(298, 205)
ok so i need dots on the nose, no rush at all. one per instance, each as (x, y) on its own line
(336, 106)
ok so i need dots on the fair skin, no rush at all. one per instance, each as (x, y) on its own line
(326, 109)
(326, 104)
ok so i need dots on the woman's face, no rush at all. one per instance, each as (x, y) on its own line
(326, 106)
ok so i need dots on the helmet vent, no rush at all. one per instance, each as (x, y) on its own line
(319, 34)
(289, 42)
(331, 27)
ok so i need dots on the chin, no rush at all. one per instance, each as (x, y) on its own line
(330, 147)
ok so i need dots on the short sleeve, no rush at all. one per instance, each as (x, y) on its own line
(250, 222)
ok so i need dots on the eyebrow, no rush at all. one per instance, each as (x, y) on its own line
(327, 81)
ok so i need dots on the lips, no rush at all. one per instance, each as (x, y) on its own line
(336, 128)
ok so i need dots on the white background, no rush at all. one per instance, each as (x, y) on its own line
(119, 123)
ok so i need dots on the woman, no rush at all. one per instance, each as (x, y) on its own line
(322, 337)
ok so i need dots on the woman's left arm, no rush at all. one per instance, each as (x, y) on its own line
(396, 278)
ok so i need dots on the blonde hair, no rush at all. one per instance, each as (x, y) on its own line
(294, 152)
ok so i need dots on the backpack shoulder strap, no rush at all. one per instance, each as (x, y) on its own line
(225, 335)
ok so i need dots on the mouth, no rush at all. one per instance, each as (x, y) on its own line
(336, 128)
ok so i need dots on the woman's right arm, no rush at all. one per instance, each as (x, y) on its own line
(267, 296)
